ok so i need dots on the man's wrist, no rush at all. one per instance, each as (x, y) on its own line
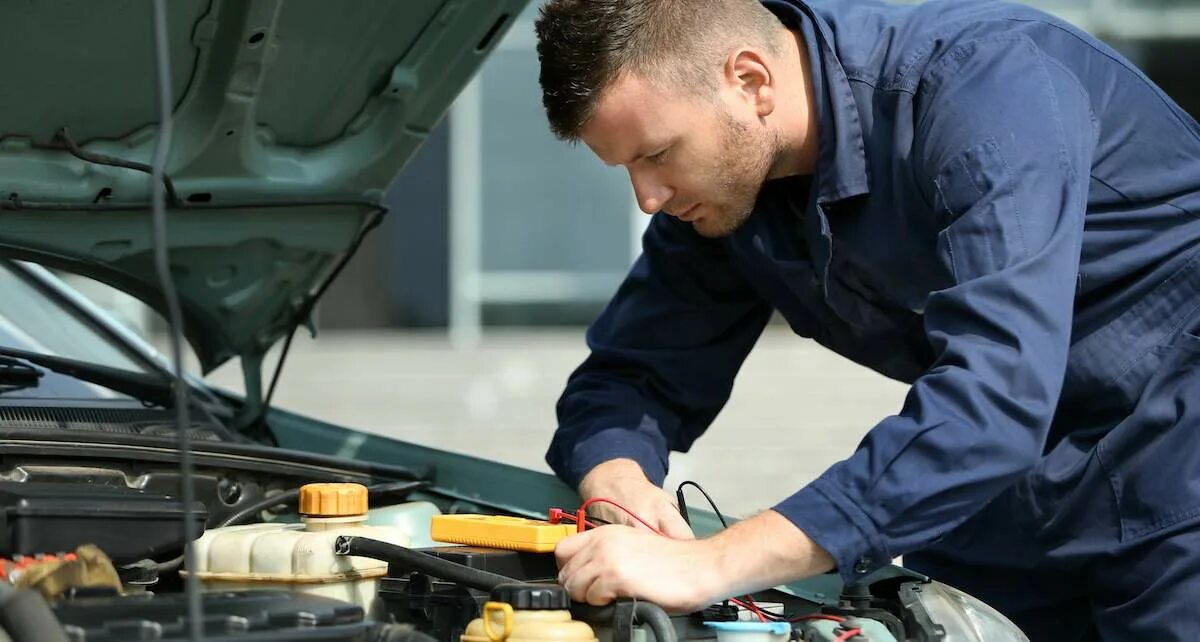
(607, 471)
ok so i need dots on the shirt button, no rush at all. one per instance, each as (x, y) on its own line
(863, 566)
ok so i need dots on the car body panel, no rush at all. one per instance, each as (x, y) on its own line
(290, 121)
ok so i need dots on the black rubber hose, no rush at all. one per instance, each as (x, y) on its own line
(251, 510)
(646, 613)
(398, 633)
(657, 619)
(27, 617)
(418, 561)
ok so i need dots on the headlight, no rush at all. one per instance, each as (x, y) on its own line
(962, 617)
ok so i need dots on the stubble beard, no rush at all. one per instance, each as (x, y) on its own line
(745, 162)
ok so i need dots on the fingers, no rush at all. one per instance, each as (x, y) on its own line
(570, 546)
(613, 561)
(579, 581)
(672, 524)
(645, 507)
(599, 592)
(623, 481)
(579, 573)
(647, 501)
(610, 513)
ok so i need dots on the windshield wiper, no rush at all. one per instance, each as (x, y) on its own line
(17, 375)
(148, 388)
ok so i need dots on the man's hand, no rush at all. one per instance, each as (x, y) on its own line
(602, 564)
(682, 576)
(623, 481)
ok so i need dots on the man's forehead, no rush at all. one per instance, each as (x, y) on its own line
(630, 113)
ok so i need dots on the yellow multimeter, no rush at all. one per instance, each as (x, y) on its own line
(499, 531)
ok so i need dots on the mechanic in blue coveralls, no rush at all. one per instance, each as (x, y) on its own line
(971, 197)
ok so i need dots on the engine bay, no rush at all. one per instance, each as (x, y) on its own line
(269, 572)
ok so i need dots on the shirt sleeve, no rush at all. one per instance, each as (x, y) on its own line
(664, 354)
(1004, 139)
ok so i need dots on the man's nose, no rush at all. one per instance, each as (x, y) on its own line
(651, 194)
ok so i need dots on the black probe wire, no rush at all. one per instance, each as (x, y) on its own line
(162, 147)
(683, 505)
(724, 524)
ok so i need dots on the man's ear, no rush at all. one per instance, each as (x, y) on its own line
(748, 74)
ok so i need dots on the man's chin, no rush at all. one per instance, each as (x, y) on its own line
(715, 227)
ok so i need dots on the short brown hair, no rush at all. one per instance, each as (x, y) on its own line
(584, 45)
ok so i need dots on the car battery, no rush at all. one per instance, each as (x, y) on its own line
(126, 523)
(443, 609)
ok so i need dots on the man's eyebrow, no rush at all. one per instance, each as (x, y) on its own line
(638, 155)
(653, 149)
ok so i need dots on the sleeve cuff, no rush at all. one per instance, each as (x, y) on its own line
(836, 524)
(572, 461)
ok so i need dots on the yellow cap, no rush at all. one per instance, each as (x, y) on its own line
(333, 500)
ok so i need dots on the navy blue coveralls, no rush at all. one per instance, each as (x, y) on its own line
(1005, 214)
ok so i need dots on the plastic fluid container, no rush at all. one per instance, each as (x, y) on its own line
(300, 557)
(413, 518)
(528, 613)
(751, 631)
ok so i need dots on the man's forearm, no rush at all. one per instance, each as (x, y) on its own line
(766, 550)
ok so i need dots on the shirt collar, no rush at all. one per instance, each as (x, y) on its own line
(841, 158)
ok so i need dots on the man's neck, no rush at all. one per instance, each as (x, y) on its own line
(798, 123)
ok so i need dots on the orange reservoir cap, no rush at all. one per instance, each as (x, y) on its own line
(333, 500)
(499, 531)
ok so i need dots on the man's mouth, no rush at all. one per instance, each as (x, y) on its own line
(690, 214)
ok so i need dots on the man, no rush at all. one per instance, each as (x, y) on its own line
(972, 197)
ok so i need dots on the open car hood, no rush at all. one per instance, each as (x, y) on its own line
(290, 120)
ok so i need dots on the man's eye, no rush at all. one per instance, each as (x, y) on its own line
(658, 158)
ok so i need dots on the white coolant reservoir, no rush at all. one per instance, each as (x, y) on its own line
(300, 557)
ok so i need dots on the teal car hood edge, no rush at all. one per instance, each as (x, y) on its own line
(291, 120)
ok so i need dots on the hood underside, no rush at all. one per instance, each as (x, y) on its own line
(290, 120)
